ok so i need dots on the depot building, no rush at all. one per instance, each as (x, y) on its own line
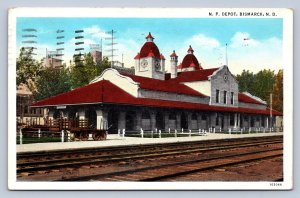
(190, 97)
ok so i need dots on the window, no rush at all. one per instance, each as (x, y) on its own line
(217, 95)
(231, 98)
(203, 117)
(217, 120)
(225, 97)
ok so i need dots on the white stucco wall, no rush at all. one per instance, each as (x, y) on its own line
(172, 96)
(203, 87)
(123, 82)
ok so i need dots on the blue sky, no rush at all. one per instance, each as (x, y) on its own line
(208, 36)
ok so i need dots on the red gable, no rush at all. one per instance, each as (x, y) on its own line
(198, 75)
(106, 92)
(171, 86)
(247, 99)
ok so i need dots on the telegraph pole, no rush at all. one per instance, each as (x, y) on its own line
(112, 38)
(271, 101)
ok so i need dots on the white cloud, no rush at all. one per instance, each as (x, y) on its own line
(95, 32)
(255, 55)
(242, 39)
(244, 52)
(208, 50)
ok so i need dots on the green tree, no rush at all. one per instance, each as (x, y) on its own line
(246, 81)
(263, 84)
(51, 81)
(278, 92)
(79, 74)
(82, 72)
(27, 68)
(259, 84)
(102, 65)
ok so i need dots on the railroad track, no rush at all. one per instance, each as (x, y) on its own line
(60, 163)
(177, 152)
(171, 170)
(80, 161)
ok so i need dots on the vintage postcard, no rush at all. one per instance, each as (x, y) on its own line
(150, 99)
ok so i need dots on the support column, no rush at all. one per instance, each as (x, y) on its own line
(101, 119)
(238, 120)
(81, 114)
(166, 116)
(235, 120)
(122, 120)
(199, 121)
(178, 121)
(138, 120)
(153, 120)
(267, 121)
(208, 121)
(50, 114)
(189, 120)
(213, 119)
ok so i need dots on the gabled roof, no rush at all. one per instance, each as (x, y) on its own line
(171, 86)
(247, 99)
(106, 92)
(198, 75)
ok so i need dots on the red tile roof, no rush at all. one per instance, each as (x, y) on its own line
(170, 86)
(106, 92)
(247, 99)
(173, 54)
(197, 75)
(137, 56)
(190, 60)
(149, 36)
(147, 48)
(191, 49)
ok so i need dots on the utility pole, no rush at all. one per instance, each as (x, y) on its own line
(112, 38)
(271, 101)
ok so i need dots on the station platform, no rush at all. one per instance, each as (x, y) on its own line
(113, 140)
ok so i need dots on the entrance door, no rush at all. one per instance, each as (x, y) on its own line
(222, 122)
(160, 121)
(183, 121)
(113, 118)
(130, 120)
(91, 116)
